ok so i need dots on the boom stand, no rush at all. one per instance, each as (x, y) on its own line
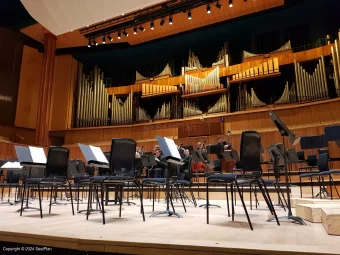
(284, 131)
(168, 194)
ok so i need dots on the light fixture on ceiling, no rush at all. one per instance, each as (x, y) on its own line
(152, 25)
(125, 33)
(110, 38)
(162, 22)
(189, 15)
(218, 5)
(208, 9)
(170, 20)
(135, 30)
(89, 44)
(95, 42)
(231, 3)
(118, 36)
(104, 40)
(141, 28)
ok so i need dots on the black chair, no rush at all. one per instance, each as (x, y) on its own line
(312, 163)
(121, 169)
(301, 155)
(11, 180)
(55, 176)
(322, 168)
(252, 173)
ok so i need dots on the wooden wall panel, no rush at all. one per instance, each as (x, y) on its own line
(27, 106)
(17, 134)
(64, 85)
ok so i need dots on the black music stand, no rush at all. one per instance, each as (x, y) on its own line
(172, 156)
(285, 132)
(332, 133)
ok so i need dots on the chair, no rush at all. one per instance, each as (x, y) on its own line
(55, 175)
(301, 156)
(252, 173)
(312, 163)
(121, 169)
(11, 181)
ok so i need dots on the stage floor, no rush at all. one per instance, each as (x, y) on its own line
(163, 234)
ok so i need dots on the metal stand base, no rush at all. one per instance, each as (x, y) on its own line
(290, 217)
(170, 213)
(129, 203)
(210, 205)
(27, 208)
(92, 210)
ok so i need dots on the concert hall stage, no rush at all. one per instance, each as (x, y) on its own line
(165, 235)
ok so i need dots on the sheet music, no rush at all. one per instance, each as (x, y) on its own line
(11, 165)
(98, 154)
(38, 155)
(172, 148)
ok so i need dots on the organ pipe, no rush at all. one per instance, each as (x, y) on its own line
(196, 85)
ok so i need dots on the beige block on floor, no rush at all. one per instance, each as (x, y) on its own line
(295, 201)
(313, 212)
(331, 221)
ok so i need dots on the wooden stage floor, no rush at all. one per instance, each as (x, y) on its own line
(163, 234)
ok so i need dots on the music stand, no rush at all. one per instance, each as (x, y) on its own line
(172, 156)
(11, 166)
(285, 132)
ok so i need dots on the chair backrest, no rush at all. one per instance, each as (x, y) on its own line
(76, 168)
(57, 161)
(250, 152)
(13, 176)
(122, 156)
(301, 155)
(323, 162)
(321, 151)
(311, 160)
(276, 165)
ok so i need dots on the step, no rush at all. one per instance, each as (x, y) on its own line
(313, 212)
(295, 201)
(331, 221)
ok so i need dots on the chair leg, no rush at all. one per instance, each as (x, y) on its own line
(78, 191)
(227, 196)
(283, 196)
(39, 195)
(120, 200)
(270, 203)
(232, 202)
(244, 206)
(207, 198)
(102, 201)
(251, 197)
(50, 199)
(172, 204)
(300, 187)
(22, 199)
(153, 198)
(192, 196)
(89, 201)
(336, 190)
(180, 194)
(71, 197)
(141, 198)
(279, 197)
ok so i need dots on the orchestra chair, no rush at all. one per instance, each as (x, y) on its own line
(186, 182)
(121, 169)
(252, 173)
(11, 180)
(312, 163)
(323, 170)
(301, 156)
(55, 175)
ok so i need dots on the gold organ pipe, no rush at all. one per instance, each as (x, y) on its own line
(297, 77)
(324, 75)
(80, 99)
(335, 67)
(78, 94)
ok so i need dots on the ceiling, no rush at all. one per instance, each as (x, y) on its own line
(181, 24)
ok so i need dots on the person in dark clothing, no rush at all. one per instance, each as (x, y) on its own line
(184, 169)
(158, 170)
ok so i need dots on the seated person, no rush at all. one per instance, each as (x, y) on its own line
(184, 169)
(137, 152)
(158, 171)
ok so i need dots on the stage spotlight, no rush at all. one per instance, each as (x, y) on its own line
(125, 33)
(104, 39)
(110, 38)
(218, 5)
(231, 3)
(141, 28)
(208, 9)
(162, 22)
(170, 20)
(118, 36)
(189, 15)
(89, 44)
(95, 42)
(135, 30)
(152, 25)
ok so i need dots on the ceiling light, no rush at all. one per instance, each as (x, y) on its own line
(162, 22)
(218, 5)
(135, 30)
(231, 3)
(125, 33)
(118, 36)
(208, 9)
(152, 25)
(95, 42)
(170, 20)
(89, 44)
(110, 38)
(104, 39)
(189, 15)
(141, 28)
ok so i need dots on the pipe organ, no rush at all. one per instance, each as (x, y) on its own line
(166, 71)
(196, 85)
(193, 63)
(222, 105)
(122, 112)
(142, 115)
(288, 95)
(190, 109)
(93, 100)
(150, 89)
(164, 112)
(311, 87)
(336, 65)
(223, 57)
